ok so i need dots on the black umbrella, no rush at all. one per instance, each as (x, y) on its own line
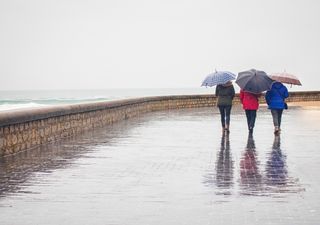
(254, 81)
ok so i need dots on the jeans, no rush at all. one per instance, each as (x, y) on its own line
(225, 115)
(251, 118)
(276, 116)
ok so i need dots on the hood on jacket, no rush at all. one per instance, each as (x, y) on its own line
(229, 83)
(277, 85)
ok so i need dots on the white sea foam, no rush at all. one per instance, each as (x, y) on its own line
(15, 100)
(9, 107)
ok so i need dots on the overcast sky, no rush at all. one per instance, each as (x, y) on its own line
(76, 44)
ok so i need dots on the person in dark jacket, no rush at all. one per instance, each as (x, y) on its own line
(275, 99)
(225, 94)
(250, 103)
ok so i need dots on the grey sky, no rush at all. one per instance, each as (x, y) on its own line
(64, 44)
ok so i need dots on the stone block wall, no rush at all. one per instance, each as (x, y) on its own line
(25, 129)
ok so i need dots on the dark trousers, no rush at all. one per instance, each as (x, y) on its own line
(276, 116)
(251, 118)
(225, 114)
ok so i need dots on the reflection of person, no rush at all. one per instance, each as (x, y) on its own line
(276, 171)
(225, 94)
(224, 164)
(275, 99)
(250, 104)
(251, 179)
(277, 179)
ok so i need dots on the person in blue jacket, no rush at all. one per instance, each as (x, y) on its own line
(275, 99)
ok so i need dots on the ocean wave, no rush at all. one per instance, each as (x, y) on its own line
(8, 107)
(38, 98)
(51, 101)
(14, 104)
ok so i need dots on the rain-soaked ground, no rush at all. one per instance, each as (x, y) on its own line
(171, 168)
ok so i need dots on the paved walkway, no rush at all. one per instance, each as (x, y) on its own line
(171, 168)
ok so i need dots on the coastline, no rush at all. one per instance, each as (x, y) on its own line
(25, 129)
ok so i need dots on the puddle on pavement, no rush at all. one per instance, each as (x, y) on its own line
(151, 169)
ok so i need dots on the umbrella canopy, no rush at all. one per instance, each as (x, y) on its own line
(254, 81)
(218, 77)
(285, 77)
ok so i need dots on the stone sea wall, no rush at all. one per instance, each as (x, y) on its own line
(25, 129)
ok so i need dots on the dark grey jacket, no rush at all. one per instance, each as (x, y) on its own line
(225, 95)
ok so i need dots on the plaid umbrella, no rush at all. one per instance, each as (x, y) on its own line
(254, 81)
(285, 78)
(218, 77)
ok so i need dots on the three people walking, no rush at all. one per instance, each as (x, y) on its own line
(275, 98)
(252, 83)
(225, 94)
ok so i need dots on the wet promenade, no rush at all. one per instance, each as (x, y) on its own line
(171, 168)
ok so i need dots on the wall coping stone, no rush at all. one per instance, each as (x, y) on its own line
(27, 115)
(11, 117)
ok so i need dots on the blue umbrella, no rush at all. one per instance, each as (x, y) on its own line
(218, 77)
(254, 81)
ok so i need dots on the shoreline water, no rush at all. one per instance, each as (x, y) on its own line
(25, 129)
(27, 99)
(13, 100)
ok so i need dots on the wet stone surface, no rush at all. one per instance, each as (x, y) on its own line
(171, 167)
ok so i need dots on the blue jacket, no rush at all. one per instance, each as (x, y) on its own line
(276, 96)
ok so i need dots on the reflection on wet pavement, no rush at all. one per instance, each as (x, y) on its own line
(222, 177)
(250, 175)
(16, 171)
(172, 167)
(277, 179)
(276, 168)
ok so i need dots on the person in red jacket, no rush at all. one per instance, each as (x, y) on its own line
(250, 103)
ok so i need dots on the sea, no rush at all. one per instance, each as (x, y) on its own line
(25, 99)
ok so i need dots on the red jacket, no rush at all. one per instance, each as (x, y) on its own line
(249, 100)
